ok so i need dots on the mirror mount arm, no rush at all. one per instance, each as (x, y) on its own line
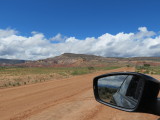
(150, 103)
(151, 107)
(154, 107)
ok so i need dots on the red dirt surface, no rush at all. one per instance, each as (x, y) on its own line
(65, 99)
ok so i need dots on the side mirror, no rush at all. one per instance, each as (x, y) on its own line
(128, 91)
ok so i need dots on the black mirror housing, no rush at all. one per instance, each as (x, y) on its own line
(147, 89)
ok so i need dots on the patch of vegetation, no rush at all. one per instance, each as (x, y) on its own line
(17, 76)
(106, 68)
(127, 65)
(79, 72)
(91, 68)
(106, 93)
(147, 69)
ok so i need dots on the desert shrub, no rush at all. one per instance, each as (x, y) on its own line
(80, 72)
(91, 68)
(146, 65)
(146, 72)
(5, 85)
(18, 84)
(9, 84)
(128, 65)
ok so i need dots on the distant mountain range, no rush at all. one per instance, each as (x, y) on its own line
(81, 60)
(11, 61)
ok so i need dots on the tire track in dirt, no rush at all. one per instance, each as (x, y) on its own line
(45, 103)
(43, 106)
(29, 93)
(79, 103)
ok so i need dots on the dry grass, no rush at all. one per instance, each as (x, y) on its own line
(149, 69)
(17, 76)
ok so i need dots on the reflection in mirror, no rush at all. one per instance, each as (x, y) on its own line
(120, 90)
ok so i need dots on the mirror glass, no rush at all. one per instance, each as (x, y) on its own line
(120, 90)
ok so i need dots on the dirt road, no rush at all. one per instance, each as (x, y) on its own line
(65, 99)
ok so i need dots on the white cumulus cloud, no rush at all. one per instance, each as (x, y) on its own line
(37, 46)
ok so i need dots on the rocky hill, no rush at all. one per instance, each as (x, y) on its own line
(82, 60)
(72, 60)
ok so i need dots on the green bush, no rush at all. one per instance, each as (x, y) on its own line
(146, 65)
(79, 72)
(128, 65)
(91, 68)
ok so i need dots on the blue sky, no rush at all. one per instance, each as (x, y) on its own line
(49, 24)
(79, 18)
